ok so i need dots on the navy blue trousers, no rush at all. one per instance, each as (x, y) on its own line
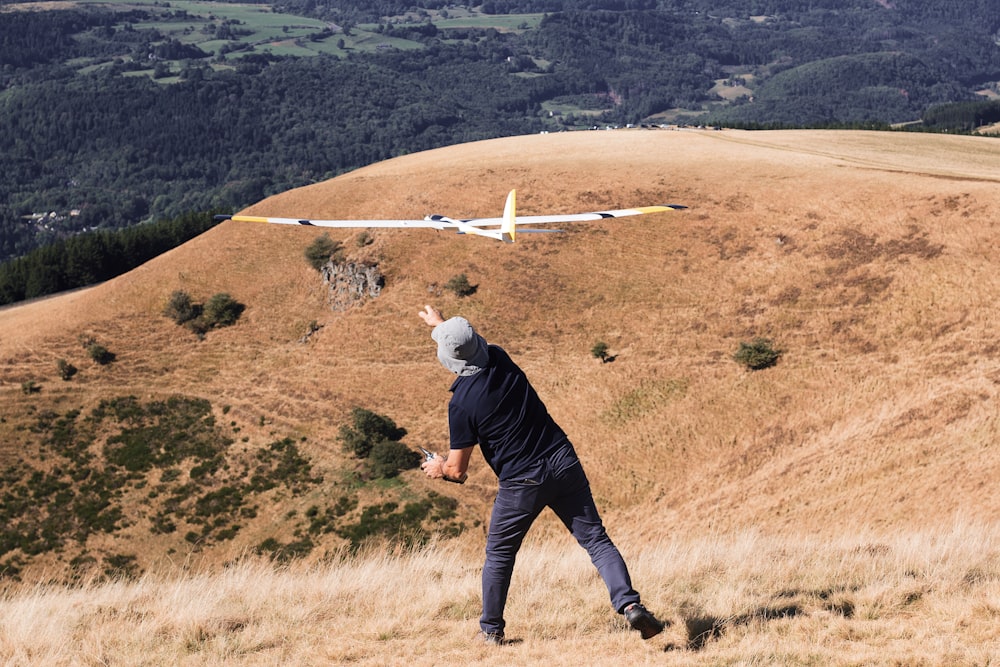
(559, 483)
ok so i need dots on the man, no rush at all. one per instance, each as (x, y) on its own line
(493, 405)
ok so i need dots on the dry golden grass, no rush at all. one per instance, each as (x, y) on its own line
(869, 258)
(913, 598)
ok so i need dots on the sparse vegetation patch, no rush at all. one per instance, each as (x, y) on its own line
(167, 467)
(643, 400)
(401, 526)
(98, 466)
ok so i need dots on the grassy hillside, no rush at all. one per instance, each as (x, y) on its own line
(867, 258)
(925, 598)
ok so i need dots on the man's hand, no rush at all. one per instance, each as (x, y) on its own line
(432, 316)
(433, 467)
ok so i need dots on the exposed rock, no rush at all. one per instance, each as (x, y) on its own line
(350, 283)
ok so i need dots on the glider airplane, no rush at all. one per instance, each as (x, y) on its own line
(503, 229)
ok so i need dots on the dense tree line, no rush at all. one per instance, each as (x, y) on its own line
(877, 87)
(94, 257)
(984, 11)
(967, 116)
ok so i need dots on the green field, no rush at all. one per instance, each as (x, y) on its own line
(255, 27)
(258, 29)
(503, 23)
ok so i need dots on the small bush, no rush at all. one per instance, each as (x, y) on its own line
(30, 387)
(283, 553)
(322, 250)
(369, 428)
(600, 350)
(222, 310)
(160, 524)
(66, 369)
(757, 354)
(180, 308)
(121, 566)
(100, 354)
(224, 501)
(388, 458)
(460, 286)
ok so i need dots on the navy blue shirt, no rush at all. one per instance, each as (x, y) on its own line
(499, 409)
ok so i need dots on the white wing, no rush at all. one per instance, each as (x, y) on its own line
(504, 228)
(309, 222)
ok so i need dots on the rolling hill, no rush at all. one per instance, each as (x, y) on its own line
(867, 258)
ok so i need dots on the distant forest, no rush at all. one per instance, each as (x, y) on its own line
(93, 257)
(106, 122)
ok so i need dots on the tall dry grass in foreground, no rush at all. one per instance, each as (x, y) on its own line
(929, 598)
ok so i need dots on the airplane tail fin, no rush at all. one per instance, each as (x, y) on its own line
(509, 224)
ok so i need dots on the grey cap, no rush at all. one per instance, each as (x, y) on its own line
(460, 349)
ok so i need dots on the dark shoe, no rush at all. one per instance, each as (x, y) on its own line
(640, 619)
(490, 638)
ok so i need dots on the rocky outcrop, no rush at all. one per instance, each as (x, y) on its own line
(350, 283)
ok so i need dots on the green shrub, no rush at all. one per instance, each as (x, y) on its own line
(132, 450)
(224, 501)
(160, 524)
(30, 387)
(600, 350)
(460, 285)
(66, 369)
(228, 533)
(388, 458)
(369, 428)
(180, 308)
(322, 250)
(222, 310)
(757, 354)
(344, 505)
(121, 566)
(100, 354)
(282, 553)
